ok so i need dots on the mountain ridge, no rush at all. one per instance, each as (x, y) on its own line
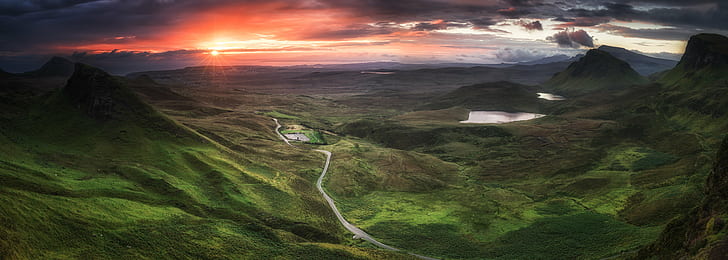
(596, 71)
(643, 64)
(54, 67)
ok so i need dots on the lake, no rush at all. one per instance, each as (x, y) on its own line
(549, 96)
(498, 117)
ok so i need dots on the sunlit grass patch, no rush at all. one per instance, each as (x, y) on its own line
(280, 115)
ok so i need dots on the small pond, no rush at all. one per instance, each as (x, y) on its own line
(498, 117)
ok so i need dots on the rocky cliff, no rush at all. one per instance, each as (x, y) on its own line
(700, 234)
(92, 90)
(705, 50)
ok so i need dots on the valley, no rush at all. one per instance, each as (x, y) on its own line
(588, 159)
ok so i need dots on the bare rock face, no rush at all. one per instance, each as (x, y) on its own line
(717, 182)
(92, 89)
(705, 50)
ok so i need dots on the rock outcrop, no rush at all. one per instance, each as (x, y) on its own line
(705, 50)
(92, 90)
(55, 67)
(596, 71)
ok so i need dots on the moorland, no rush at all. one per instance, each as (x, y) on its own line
(187, 164)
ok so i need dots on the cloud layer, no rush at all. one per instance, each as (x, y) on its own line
(152, 30)
(572, 39)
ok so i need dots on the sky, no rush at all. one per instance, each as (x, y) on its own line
(124, 36)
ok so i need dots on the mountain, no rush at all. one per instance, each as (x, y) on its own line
(551, 59)
(706, 55)
(500, 95)
(596, 71)
(643, 64)
(93, 91)
(55, 67)
(4, 73)
(694, 97)
(705, 50)
(695, 90)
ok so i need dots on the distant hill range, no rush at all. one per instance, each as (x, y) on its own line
(500, 95)
(4, 74)
(55, 67)
(596, 71)
(643, 64)
(552, 59)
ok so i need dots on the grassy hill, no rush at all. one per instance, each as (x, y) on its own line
(90, 171)
(55, 67)
(643, 64)
(501, 95)
(596, 71)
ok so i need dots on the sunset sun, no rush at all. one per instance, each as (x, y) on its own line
(214, 53)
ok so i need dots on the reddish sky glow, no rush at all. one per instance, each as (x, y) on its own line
(177, 33)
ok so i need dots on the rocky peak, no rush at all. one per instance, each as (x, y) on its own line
(705, 50)
(91, 89)
(597, 63)
(611, 49)
(55, 67)
(145, 78)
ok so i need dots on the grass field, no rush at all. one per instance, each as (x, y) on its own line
(143, 185)
(280, 115)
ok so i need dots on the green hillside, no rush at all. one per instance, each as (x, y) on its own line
(596, 71)
(90, 171)
(501, 95)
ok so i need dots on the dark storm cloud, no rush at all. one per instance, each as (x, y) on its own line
(15, 8)
(482, 22)
(90, 22)
(705, 14)
(585, 21)
(535, 25)
(37, 23)
(673, 2)
(672, 34)
(412, 10)
(37, 26)
(572, 39)
(350, 32)
(523, 3)
(513, 12)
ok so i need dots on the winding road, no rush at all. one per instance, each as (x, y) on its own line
(358, 233)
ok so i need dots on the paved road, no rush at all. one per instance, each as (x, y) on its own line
(358, 233)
